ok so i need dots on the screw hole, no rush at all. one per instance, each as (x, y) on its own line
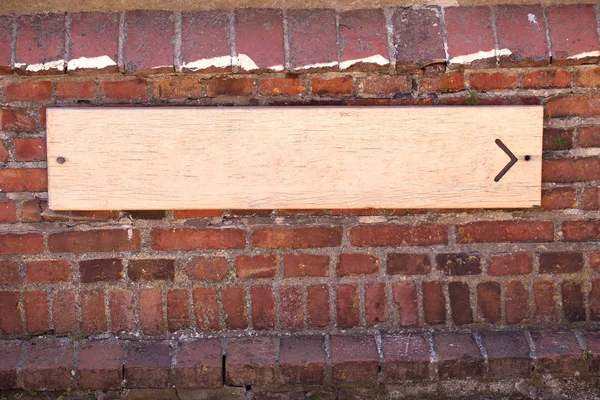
(60, 160)
(527, 158)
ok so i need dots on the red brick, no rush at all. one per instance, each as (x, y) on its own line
(6, 22)
(8, 212)
(24, 243)
(3, 150)
(469, 31)
(571, 169)
(92, 312)
(522, 31)
(263, 307)
(333, 86)
(206, 353)
(205, 46)
(505, 231)
(99, 365)
(595, 261)
(281, 87)
(346, 304)
(446, 83)
(198, 239)
(459, 264)
(545, 301)
(588, 78)
(557, 352)
(130, 89)
(589, 136)
(30, 149)
(36, 311)
(64, 312)
(357, 264)
(158, 269)
(250, 361)
(16, 120)
(590, 199)
(178, 309)
(594, 299)
(302, 360)
(519, 263)
(434, 303)
(93, 42)
(75, 90)
(291, 310)
(23, 180)
(548, 78)
(305, 265)
(405, 302)
(95, 241)
(121, 310)
(47, 366)
(354, 359)
(31, 210)
(363, 35)
(577, 105)
(206, 310)
(398, 235)
(384, 84)
(317, 306)
(580, 231)
(408, 264)
(508, 354)
(561, 262)
(260, 266)
(376, 305)
(9, 273)
(296, 238)
(11, 352)
(10, 323)
(417, 38)
(573, 32)
(207, 268)
(485, 81)
(151, 315)
(312, 39)
(149, 38)
(573, 301)
(460, 303)
(184, 214)
(40, 40)
(28, 91)
(407, 357)
(559, 198)
(48, 271)
(488, 302)
(459, 356)
(148, 365)
(259, 37)
(234, 307)
(178, 88)
(98, 270)
(516, 300)
(223, 86)
(592, 345)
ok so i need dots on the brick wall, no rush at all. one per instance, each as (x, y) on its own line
(168, 272)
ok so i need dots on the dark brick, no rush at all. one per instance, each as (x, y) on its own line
(407, 357)
(408, 264)
(460, 303)
(48, 365)
(10, 323)
(522, 30)
(459, 356)
(488, 302)
(580, 231)
(302, 359)
(469, 31)
(459, 264)
(99, 365)
(573, 301)
(148, 365)
(312, 39)
(199, 364)
(405, 301)
(317, 306)
(545, 301)
(151, 270)
(11, 351)
(516, 302)
(376, 304)
(434, 303)
(557, 352)
(148, 43)
(251, 361)
(354, 359)
(106, 269)
(592, 346)
(561, 262)
(417, 38)
(508, 354)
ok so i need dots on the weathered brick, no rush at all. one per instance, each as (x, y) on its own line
(234, 307)
(296, 238)
(6, 28)
(23, 243)
(94, 38)
(434, 304)
(16, 120)
(417, 38)
(573, 301)
(206, 310)
(305, 265)
(363, 39)
(460, 303)
(199, 364)
(486, 81)
(516, 304)
(589, 136)
(28, 91)
(386, 85)
(129, 89)
(30, 149)
(204, 45)
(376, 305)
(92, 311)
(178, 88)
(333, 86)
(263, 307)
(149, 37)
(521, 30)
(559, 198)
(508, 354)
(281, 87)
(98, 270)
(178, 309)
(148, 365)
(223, 86)
(398, 235)
(317, 306)
(407, 357)
(588, 78)
(302, 359)
(40, 46)
(580, 231)
(592, 345)
(3, 151)
(95, 241)
(47, 271)
(99, 365)
(577, 105)
(259, 266)
(557, 139)
(571, 170)
(595, 261)
(354, 359)
(346, 304)
(11, 352)
(405, 302)
(10, 323)
(159, 269)
(23, 180)
(259, 39)
(312, 39)
(9, 273)
(121, 310)
(505, 231)
(31, 210)
(207, 268)
(48, 365)
(573, 34)
(150, 311)
(459, 264)
(459, 356)
(36, 311)
(8, 212)
(250, 361)
(445, 83)
(408, 264)
(198, 239)
(291, 311)
(519, 263)
(561, 262)
(357, 264)
(547, 78)
(545, 301)
(64, 312)
(185, 214)
(488, 302)
(468, 33)
(557, 353)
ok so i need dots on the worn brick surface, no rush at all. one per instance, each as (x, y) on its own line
(192, 239)
(317, 306)
(561, 262)
(234, 306)
(459, 356)
(544, 301)
(259, 39)
(92, 312)
(178, 311)
(291, 316)
(557, 352)
(573, 34)
(9, 272)
(159, 269)
(23, 180)
(103, 269)
(40, 45)
(508, 354)
(263, 307)
(121, 310)
(354, 359)
(407, 357)
(398, 235)
(302, 359)
(199, 364)
(36, 311)
(94, 38)
(505, 231)
(408, 264)
(48, 365)
(513, 24)
(100, 365)
(305, 265)
(26, 243)
(573, 301)
(417, 38)
(404, 295)
(64, 312)
(519, 263)
(357, 264)
(150, 313)
(148, 43)
(516, 302)
(30, 149)
(459, 264)
(460, 303)
(11, 351)
(434, 306)
(469, 31)
(5, 43)
(312, 40)
(148, 365)
(363, 39)
(251, 361)
(488, 302)
(47, 271)
(94, 241)
(206, 309)
(261, 266)
(205, 41)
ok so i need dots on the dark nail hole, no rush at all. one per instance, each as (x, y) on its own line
(60, 160)
(527, 158)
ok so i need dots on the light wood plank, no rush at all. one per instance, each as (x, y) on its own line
(293, 157)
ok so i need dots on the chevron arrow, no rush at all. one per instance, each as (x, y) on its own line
(513, 160)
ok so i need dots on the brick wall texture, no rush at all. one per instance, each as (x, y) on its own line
(166, 273)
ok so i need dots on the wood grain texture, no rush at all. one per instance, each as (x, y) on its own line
(293, 157)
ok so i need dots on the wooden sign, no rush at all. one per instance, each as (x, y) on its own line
(294, 157)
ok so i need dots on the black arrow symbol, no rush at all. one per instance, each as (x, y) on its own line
(508, 166)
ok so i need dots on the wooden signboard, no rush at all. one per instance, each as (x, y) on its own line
(294, 157)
